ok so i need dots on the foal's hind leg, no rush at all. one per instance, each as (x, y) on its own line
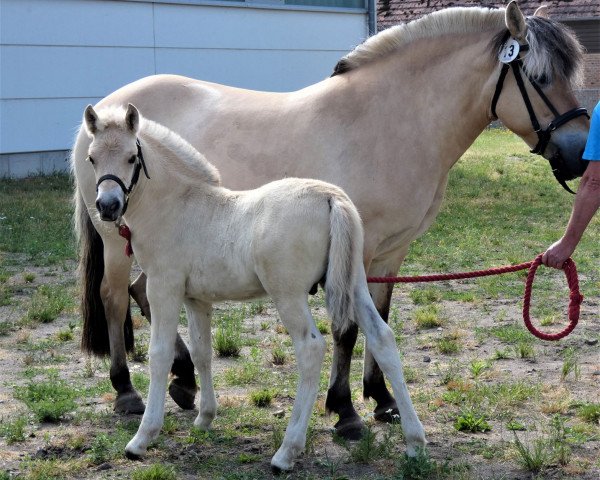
(380, 340)
(115, 298)
(309, 347)
(183, 387)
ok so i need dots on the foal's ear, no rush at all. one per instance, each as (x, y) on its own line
(515, 21)
(542, 12)
(91, 120)
(132, 118)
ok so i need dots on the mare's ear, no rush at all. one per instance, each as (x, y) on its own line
(91, 120)
(542, 12)
(132, 118)
(515, 21)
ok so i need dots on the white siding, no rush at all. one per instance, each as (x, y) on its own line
(56, 56)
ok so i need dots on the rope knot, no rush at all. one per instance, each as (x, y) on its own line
(126, 234)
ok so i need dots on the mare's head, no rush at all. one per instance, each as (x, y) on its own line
(542, 63)
(116, 156)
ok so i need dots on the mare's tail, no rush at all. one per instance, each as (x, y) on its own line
(94, 338)
(345, 260)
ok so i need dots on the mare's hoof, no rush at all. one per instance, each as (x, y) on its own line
(387, 414)
(350, 428)
(276, 470)
(129, 403)
(183, 395)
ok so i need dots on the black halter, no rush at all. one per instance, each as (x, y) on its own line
(139, 164)
(543, 134)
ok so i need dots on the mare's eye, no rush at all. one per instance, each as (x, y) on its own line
(90, 159)
(543, 80)
(132, 159)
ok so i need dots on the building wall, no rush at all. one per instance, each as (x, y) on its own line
(57, 56)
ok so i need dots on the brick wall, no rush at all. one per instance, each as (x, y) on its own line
(589, 95)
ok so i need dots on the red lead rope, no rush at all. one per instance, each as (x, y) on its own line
(575, 297)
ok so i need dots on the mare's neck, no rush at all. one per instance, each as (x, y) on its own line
(436, 92)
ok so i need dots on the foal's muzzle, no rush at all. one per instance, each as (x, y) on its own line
(109, 205)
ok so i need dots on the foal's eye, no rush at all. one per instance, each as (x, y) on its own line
(90, 159)
(132, 159)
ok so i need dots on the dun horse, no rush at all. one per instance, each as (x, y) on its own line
(387, 127)
(199, 243)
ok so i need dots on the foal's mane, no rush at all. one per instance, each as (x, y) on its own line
(180, 153)
(554, 49)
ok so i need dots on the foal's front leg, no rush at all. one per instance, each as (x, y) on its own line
(165, 304)
(183, 386)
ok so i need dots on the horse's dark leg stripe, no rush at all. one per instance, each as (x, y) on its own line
(373, 382)
(350, 425)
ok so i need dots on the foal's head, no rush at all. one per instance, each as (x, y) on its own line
(115, 155)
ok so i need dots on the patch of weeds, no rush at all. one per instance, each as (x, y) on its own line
(501, 354)
(359, 349)
(411, 375)
(513, 425)
(140, 351)
(29, 277)
(532, 457)
(248, 458)
(589, 412)
(101, 449)
(170, 424)
(198, 436)
(558, 440)
(66, 334)
(158, 471)
(425, 296)
(258, 307)
(448, 344)
(227, 339)
(141, 382)
(548, 320)
(13, 431)
(470, 421)
(5, 328)
(52, 468)
(278, 355)
(249, 372)
(570, 364)
(428, 317)
(511, 334)
(525, 350)
(261, 398)
(422, 467)
(264, 326)
(47, 303)
(323, 326)
(477, 367)
(48, 400)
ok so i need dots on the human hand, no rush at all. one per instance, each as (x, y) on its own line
(557, 254)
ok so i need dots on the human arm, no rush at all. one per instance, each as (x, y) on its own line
(587, 202)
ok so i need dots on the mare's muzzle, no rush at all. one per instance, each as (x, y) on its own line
(109, 205)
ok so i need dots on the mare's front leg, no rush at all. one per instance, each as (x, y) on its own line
(166, 296)
(183, 387)
(309, 347)
(199, 316)
(115, 298)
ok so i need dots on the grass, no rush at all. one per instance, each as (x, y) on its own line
(13, 430)
(428, 317)
(227, 339)
(261, 398)
(48, 302)
(29, 227)
(471, 422)
(48, 400)
(157, 471)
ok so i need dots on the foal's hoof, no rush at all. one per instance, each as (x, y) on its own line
(130, 402)
(387, 414)
(132, 456)
(183, 395)
(350, 428)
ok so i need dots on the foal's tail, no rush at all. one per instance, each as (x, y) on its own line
(345, 258)
(94, 338)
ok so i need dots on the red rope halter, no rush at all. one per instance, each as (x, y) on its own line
(575, 298)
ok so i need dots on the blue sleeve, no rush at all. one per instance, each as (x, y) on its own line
(592, 147)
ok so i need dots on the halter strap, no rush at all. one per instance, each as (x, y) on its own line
(545, 134)
(139, 165)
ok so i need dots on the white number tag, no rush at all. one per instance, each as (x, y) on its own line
(510, 51)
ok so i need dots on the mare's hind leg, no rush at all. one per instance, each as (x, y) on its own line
(183, 387)
(309, 347)
(380, 340)
(199, 315)
(115, 298)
